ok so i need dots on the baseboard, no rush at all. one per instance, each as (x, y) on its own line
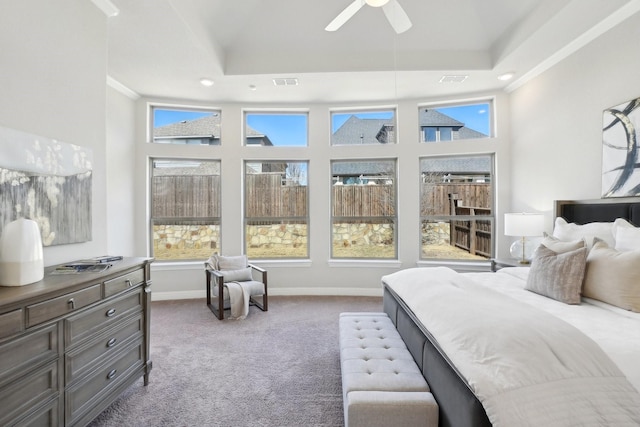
(362, 292)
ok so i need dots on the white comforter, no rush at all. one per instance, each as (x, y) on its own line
(527, 367)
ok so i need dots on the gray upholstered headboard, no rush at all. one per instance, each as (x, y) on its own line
(599, 210)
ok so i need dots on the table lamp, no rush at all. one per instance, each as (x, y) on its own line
(523, 225)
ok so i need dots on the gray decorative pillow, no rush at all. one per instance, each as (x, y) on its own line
(241, 275)
(232, 262)
(557, 275)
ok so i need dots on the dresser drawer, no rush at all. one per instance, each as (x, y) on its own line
(27, 351)
(80, 398)
(44, 416)
(119, 284)
(100, 317)
(96, 351)
(24, 395)
(56, 307)
(11, 323)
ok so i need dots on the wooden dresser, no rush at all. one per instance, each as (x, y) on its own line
(70, 344)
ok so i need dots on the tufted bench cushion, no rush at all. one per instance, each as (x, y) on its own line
(381, 383)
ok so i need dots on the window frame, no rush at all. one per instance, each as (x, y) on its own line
(490, 102)
(152, 107)
(395, 207)
(274, 112)
(365, 110)
(204, 220)
(292, 219)
(449, 218)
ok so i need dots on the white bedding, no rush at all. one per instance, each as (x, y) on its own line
(527, 367)
(617, 331)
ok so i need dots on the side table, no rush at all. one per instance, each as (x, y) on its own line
(498, 263)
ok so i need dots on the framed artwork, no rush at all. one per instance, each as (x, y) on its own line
(620, 167)
(47, 181)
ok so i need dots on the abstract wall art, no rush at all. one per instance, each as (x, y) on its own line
(620, 167)
(47, 181)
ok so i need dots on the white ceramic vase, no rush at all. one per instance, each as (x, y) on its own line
(21, 257)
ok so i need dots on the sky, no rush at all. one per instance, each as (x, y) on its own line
(291, 129)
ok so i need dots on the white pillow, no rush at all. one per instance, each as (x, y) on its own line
(559, 246)
(613, 276)
(570, 231)
(627, 237)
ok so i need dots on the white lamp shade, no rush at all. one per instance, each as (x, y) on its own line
(21, 257)
(523, 224)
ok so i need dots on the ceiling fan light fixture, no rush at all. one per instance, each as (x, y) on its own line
(376, 3)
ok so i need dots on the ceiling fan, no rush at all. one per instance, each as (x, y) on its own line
(395, 14)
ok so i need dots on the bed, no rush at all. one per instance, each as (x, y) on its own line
(459, 403)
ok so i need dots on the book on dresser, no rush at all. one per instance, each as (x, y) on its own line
(71, 344)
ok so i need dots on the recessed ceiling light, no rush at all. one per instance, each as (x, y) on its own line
(506, 76)
(453, 79)
(206, 82)
(376, 3)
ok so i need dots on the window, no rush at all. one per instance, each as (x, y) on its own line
(456, 207)
(276, 209)
(439, 124)
(185, 126)
(363, 127)
(276, 129)
(363, 209)
(185, 209)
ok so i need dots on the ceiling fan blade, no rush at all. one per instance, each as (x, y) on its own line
(345, 15)
(396, 16)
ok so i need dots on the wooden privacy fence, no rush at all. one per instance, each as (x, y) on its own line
(266, 197)
(194, 196)
(435, 196)
(363, 200)
(474, 235)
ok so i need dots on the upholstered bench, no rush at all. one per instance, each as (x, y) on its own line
(381, 383)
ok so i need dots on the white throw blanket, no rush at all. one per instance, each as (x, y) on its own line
(238, 300)
(527, 367)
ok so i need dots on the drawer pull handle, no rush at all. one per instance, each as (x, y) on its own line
(111, 312)
(111, 374)
(129, 282)
(71, 303)
(111, 342)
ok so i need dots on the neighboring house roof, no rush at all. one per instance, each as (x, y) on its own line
(357, 131)
(358, 168)
(203, 127)
(208, 126)
(185, 167)
(431, 117)
(465, 165)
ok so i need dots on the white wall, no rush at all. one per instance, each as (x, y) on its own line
(556, 120)
(53, 56)
(121, 165)
(319, 275)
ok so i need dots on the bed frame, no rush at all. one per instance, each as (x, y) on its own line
(459, 407)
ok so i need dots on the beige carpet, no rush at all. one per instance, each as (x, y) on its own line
(275, 368)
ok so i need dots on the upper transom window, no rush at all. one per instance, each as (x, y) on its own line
(452, 123)
(185, 126)
(363, 127)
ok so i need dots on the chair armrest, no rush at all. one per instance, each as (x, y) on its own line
(262, 272)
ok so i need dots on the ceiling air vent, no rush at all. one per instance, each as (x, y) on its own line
(285, 82)
(453, 79)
